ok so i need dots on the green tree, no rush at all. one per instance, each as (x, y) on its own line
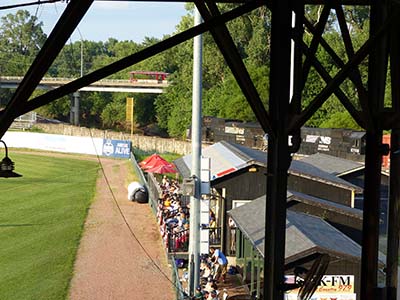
(21, 37)
(113, 115)
(221, 94)
(340, 120)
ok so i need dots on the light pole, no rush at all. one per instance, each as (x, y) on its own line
(194, 238)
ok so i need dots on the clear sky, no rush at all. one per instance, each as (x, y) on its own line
(122, 20)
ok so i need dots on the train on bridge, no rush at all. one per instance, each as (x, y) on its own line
(134, 76)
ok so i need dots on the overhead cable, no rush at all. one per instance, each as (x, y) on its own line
(28, 4)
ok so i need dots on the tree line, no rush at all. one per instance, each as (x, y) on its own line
(21, 37)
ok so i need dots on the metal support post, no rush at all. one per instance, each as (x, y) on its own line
(71, 110)
(278, 150)
(377, 71)
(393, 228)
(194, 239)
(394, 185)
(370, 238)
(77, 97)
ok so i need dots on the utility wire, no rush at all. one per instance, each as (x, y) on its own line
(28, 4)
(133, 235)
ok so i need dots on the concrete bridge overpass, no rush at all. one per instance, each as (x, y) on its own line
(152, 86)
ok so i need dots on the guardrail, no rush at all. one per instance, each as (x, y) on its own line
(180, 293)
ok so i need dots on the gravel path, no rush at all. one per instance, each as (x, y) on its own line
(114, 262)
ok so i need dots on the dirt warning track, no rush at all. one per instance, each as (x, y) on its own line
(121, 254)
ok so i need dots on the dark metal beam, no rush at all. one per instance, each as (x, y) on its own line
(317, 36)
(394, 187)
(67, 23)
(341, 75)
(377, 70)
(336, 59)
(356, 75)
(370, 233)
(392, 258)
(135, 58)
(395, 61)
(278, 150)
(308, 2)
(357, 116)
(228, 49)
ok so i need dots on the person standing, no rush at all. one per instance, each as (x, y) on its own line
(232, 229)
(221, 263)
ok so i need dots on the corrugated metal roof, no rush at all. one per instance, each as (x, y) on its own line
(223, 161)
(326, 204)
(304, 233)
(307, 170)
(228, 157)
(332, 164)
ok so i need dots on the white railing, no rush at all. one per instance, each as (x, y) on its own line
(105, 82)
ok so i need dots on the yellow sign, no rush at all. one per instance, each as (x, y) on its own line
(129, 109)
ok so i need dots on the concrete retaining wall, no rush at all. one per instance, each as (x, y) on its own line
(145, 143)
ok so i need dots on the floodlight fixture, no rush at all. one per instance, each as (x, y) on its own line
(7, 165)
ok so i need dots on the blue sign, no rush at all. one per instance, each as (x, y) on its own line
(117, 148)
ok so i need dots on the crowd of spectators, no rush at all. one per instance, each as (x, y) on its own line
(213, 269)
(173, 216)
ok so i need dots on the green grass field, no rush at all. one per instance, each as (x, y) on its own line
(41, 222)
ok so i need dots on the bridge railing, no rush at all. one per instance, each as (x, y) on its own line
(63, 80)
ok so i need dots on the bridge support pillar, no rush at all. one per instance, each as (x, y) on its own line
(74, 113)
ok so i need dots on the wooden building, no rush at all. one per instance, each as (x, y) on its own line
(353, 172)
(238, 176)
(346, 219)
(306, 237)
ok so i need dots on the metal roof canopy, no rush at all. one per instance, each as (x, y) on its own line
(227, 158)
(285, 116)
(306, 233)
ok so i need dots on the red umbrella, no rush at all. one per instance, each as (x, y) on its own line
(146, 160)
(162, 169)
(153, 161)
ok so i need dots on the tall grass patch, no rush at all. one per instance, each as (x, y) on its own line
(41, 221)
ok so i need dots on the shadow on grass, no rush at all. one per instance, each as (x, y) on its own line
(19, 225)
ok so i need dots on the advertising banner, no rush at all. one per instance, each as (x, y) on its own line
(325, 297)
(331, 287)
(116, 148)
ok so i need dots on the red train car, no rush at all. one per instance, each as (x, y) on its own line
(159, 76)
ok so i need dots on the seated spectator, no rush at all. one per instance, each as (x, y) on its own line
(205, 271)
(198, 295)
(210, 285)
(182, 219)
(213, 295)
(175, 204)
(164, 181)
